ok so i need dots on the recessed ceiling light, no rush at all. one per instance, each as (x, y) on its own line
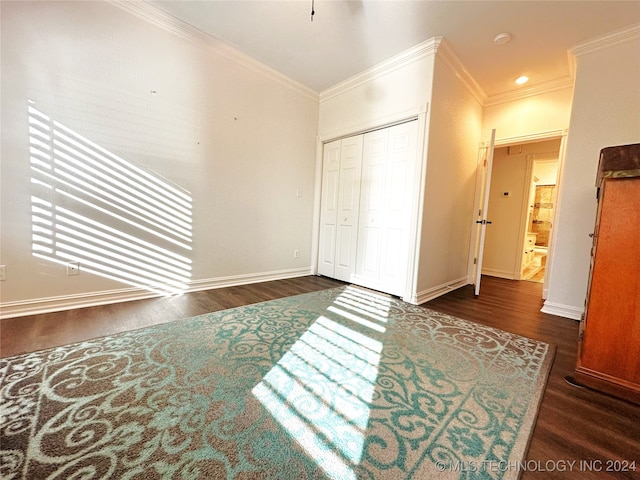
(502, 38)
(522, 80)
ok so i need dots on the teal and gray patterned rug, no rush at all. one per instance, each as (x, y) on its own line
(337, 384)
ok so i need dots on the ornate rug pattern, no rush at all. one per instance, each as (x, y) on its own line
(337, 384)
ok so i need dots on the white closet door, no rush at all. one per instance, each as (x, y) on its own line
(388, 169)
(348, 207)
(340, 205)
(329, 208)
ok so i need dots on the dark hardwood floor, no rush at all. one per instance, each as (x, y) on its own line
(594, 431)
(574, 424)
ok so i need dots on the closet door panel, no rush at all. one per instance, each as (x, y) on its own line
(347, 222)
(340, 203)
(393, 247)
(329, 208)
(369, 256)
(327, 250)
(371, 207)
(400, 168)
(348, 207)
(347, 241)
(389, 160)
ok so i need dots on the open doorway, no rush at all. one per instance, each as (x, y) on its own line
(540, 214)
(517, 243)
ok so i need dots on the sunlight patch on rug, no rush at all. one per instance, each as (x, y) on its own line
(320, 390)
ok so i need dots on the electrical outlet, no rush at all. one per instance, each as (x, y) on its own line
(296, 254)
(3, 272)
(73, 268)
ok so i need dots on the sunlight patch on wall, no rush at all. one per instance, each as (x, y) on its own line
(322, 388)
(116, 219)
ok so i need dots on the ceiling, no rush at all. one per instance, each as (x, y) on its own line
(348, 37)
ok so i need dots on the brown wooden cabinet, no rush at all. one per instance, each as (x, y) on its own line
(609, 348)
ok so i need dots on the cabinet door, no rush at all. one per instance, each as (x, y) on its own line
(386, 206)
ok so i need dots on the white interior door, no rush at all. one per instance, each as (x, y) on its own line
(348, 206)
(388, 168)
(483, 222)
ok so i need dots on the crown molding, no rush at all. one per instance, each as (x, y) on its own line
(607, 41)
(532, 91)
(158, 18)
(434, 46)
(572, 61)
(438, 46)
(428, 47)
(447, 55)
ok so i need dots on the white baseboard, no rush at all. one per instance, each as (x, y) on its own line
(501, 274)
(560, 310)
(418, 298)
(67, 302)
(234, 280)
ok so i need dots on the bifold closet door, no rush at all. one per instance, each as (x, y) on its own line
(386, 206)
(342, 163)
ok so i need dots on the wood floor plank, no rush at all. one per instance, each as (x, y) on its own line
(574, 424)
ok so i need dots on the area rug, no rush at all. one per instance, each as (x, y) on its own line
(338, 384)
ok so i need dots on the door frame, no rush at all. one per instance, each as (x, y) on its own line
(481, 187)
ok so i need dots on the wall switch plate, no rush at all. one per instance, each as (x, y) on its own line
(73, 268)
(3, 272)
(296, 254)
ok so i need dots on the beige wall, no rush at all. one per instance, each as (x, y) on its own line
(378, 96)
(453, 139)
(546, 171)
(522, 118)
(241, 141)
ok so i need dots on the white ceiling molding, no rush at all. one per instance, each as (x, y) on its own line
(428, 47)
(606, 41)
(453, 62)
(157, 17)
(573, 64)
(448, 56)
(532, 91)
